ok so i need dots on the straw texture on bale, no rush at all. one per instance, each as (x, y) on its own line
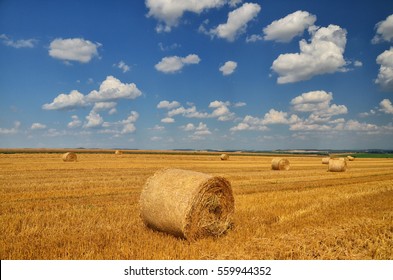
(187, 204)
(325, 160)
(337, 165)
(117, 152)
(224, 157)
(350, 158)
(69, 156)
(280, 164)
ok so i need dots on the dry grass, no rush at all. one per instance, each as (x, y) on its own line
(89, 209)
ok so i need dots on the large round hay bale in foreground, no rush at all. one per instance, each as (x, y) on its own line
(118, 152)
(337, 165)
(350, 158)
(325, 160)
(70, 156)
(280, 164)
(187, 204)
(224, 157)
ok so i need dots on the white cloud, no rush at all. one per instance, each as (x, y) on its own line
(202, 129)
(172, 64)
(75, 122)
(237, 22)
(168, 120)
(221, 111)
(324, 54)
(384, 31)
(254, 38)
(190, 112)
(75, 49)
(122, 66)
(168, 105)
(170, 12)
(386, 106)
(385, 75)
(285, 29)
(228, 68)
(66, 101)
(37, 126)
(113, 89)
(188, 127)
(104, 106)
(158, 128)
(318, 102)
(93, 120)
(13, 130)
(23, 43)
(239, 104)
(275, 117)
(358, 63)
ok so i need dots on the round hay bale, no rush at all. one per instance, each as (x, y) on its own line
(325, 160)
(337, 165)
(280, 164)
(350, 158)
(224, 157)
(187, 204)
(70, 156)
(118, 152)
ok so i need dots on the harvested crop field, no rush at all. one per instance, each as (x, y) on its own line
(89, 209)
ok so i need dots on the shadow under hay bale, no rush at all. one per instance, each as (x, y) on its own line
(280, 164)
(187, 204)
(68, 157)
(337, 165)
(224, 157)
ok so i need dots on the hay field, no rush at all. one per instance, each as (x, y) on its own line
(88, 209)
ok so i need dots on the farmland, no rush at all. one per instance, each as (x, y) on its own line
(89, 209)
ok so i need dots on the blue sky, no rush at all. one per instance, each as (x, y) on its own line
(208, 74)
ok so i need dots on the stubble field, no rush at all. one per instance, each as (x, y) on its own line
(89, 209)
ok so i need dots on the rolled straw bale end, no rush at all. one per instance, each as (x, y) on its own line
(70, 156)
(337, 165)
(280, 164)
(325, 160)
(118, 152)
(187, 204)
(224, 157)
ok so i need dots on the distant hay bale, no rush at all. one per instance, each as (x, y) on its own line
(187, 204)
(280, 164)
(350, 158)
(325, 160)
(118, 152)
(337, 165)
(224, 157)
(70, 156)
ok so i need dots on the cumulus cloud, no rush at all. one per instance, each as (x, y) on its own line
(113, 89)
(384, 30)
(13, 130)
(122, 66)
(250, 123)
(168, 120)
(129, 123)
(22, 43)
(385, 75)
(168, 13)
(74, 49)
(93, 120)
(66, 101)
(221, 111)
(318, 103)
(105, 106)
(37, 126)
(168, 105)
(237, 22)
(324, 54)
(76, 122)
(173, 64)
(285, 29)
(228, 68)
(386, 106)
